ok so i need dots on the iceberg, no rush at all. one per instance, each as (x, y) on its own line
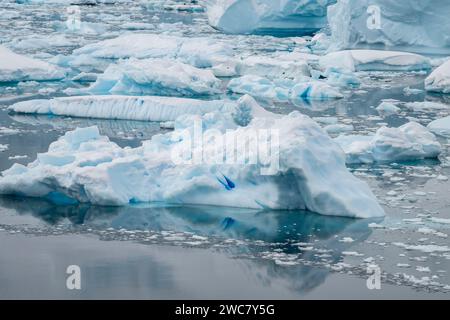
(85, 167)
(273, 68)
(440, 127)
(411, 141)
(414, 25)
(387, 109)
(439, 79)
(144, 108)
(276, 17)
(15, 68)
(153, 77)
(199, 52)
(374, 60)
(283, 89)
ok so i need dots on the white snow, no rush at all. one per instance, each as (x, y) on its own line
(199, 52)
(413, 25)
(439, 79)
(440, 126)
(153, 77)
(374, 60)
(86, 167)
(146, 108)
(15, 67)
(408, 142)
(267, 16)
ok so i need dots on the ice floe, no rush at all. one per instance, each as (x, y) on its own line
(387, 109)
(439, 79)
(153, 77)
(440, 126)
(374, 60)
(83, 166)
(15, 67)
(268, 16)
(408, 142)
(413, 25)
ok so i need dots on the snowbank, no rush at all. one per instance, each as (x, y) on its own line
(154, 77)
(15, 67)
(83, 166)
(413, 25)
(374, 60)
(408, 142)
(440, 126)
(268, 16)
(146, 108)
(439, 79)
(199, 52)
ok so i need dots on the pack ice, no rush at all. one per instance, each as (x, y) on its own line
(268, 16)
(83, 166)
(439, 79)
(414, 25)
(411, 141)
(154, 77)
(15, 67)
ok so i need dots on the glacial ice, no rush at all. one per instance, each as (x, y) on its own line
(283, 89)
(374, 60)
(440, 126)
(268, 16)
(387, 108)
(439, 79)
(83, 166)
(15, 67)
(145, 108)
(153, 77)
(273, 68)
(414, 25)
(199, 52)
(411, 141)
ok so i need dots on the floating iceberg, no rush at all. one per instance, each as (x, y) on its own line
(439, 79)
(440, 126)
(273, 68)
(283, 89)
(268, 16)
(83, 166)
(15, 67)
(408, 142)
(199, 52)
(374, 60)
(154, 77)
(413, 25)
(145, 108)
(387, 109)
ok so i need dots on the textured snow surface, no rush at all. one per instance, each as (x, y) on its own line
(408, 142)
(15, 67)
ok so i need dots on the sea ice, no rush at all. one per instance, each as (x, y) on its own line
(83, 166)
(153, 77)
(440, 126)
(374, 60)
(268, 16)
(413, 25)
(408, 142)
(439, 79)
(15, 67)
(387, 109)
(273, 68)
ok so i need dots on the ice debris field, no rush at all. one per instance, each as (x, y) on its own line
(361, 112)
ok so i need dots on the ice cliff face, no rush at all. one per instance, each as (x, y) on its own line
(415, 25)
(268, 16)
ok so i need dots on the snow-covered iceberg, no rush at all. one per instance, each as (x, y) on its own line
(440, 126)
(415, 25)
(15, 67)
(374, 60)
(83, 166)
(439, 79)
(268, 16)
(145, 108)
(153, 77)
(283, 89)
(199, 52)
(411, 141)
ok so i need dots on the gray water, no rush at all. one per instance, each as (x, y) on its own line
(208, 252)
